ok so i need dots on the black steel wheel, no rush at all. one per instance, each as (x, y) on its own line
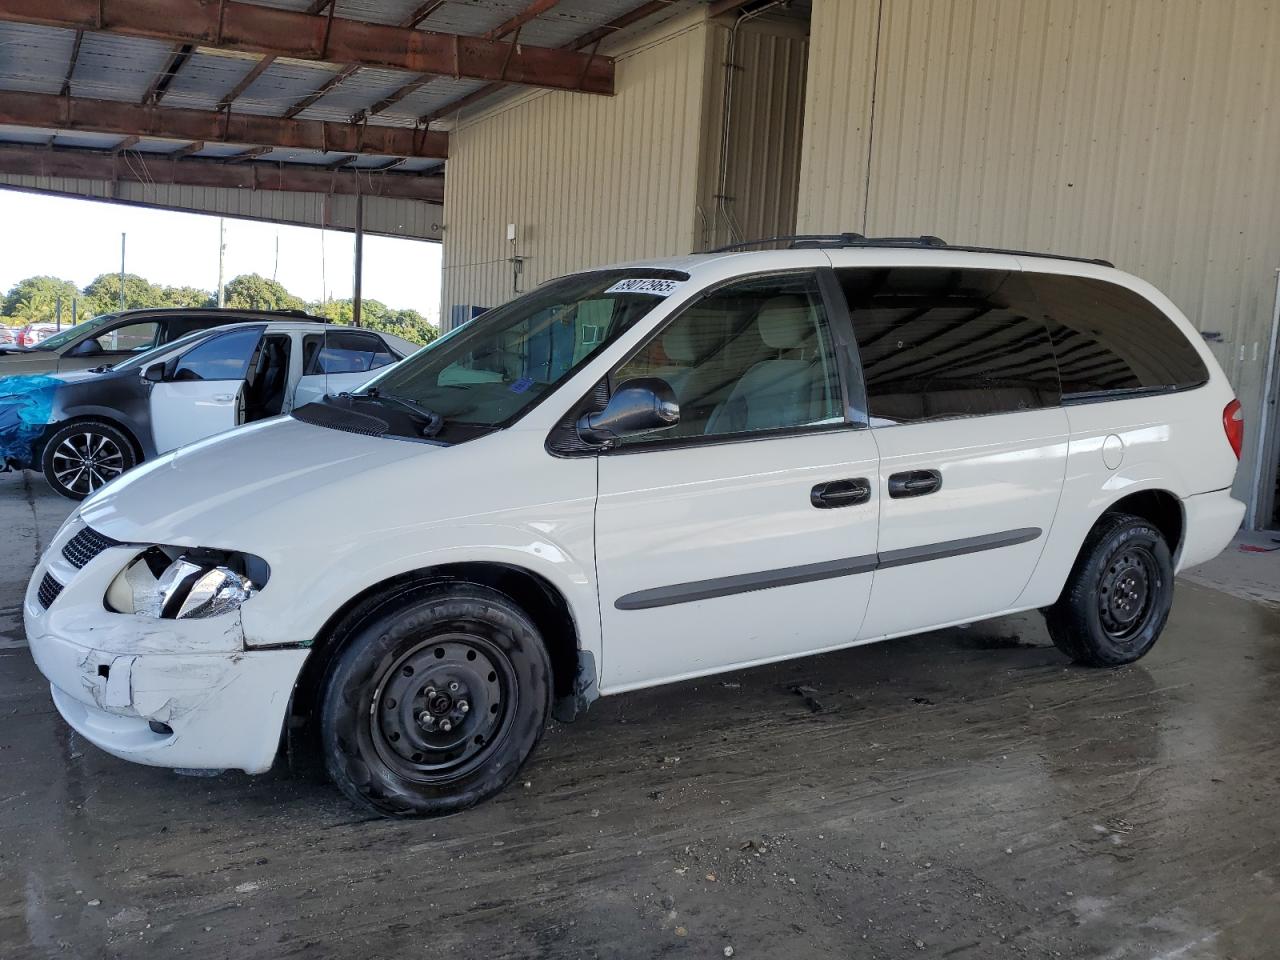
(1118, 596)
(435, 701)
(83, 456)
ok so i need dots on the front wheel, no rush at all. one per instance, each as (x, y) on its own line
(83, 456)
(1118, 596)
(434, 705)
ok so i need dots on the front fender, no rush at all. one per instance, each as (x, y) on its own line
(300, 600)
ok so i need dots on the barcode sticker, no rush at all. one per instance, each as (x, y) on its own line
(649, 285)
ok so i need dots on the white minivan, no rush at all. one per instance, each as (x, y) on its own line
(636, 475)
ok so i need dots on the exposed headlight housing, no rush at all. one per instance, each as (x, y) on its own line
(194, 584)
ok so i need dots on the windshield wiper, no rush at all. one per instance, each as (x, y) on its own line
(435, 422)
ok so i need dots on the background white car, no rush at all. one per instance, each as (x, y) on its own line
(101, 422)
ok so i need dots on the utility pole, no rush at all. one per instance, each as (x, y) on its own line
(122, 271)
(222, 255)
(275, 267)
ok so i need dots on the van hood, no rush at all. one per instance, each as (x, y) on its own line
(261, 488)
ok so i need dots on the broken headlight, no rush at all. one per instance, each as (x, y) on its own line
(179, 584)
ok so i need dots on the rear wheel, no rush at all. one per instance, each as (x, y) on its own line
(434, 705)
(83, 456)
(1118, 596)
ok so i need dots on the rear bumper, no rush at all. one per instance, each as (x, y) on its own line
(1211, 521)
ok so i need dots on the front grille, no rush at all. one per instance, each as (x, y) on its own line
(86, 545)
(49, 590)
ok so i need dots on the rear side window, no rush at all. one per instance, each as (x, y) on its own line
(938, 343)
(346, 353)
(1111, 340)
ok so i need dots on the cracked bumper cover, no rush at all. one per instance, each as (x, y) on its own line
(112, 674)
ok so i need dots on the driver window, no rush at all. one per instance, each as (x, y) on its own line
(225, 357)
(132, 337)
(756, 355)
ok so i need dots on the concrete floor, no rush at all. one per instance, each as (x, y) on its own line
(961, 794)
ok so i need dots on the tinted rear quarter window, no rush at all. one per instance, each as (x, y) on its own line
(937, 343)
(1110, 340)
(344, 352)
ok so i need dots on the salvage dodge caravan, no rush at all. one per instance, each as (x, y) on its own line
(637, 475)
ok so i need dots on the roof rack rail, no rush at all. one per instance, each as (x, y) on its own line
(810, 241)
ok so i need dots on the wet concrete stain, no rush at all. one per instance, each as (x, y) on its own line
(952, 796)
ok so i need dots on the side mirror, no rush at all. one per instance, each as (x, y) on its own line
(638, 406)
(154, 373)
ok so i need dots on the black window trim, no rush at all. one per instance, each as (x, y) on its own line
(847, 364)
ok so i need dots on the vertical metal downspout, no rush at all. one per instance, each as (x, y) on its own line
(726, 125)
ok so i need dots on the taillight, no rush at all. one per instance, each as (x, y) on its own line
(1233, 424)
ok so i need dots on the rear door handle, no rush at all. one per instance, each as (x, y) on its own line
(840, 493)
(914, 483)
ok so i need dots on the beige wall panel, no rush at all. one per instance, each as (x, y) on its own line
(587, 180)
(767, 117)
(1144, 132)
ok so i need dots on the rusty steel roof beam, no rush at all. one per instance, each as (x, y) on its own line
(178, 57)
(197, 172)
(71, 63)
(534, 10)
(415, 18)
(233, 25)
(589, 39)
(42, 110)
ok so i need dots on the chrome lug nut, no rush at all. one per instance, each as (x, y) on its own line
(453, 686)
(446, 725)
(426, 719)
(464, 706)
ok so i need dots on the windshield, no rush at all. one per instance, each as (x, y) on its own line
(72, 333)
(489, 371)
(155, 353)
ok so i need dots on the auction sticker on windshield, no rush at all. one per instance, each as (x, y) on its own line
(649, 285)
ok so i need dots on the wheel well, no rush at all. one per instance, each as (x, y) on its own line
(85, 418)
(1160, 508)
(534, 594)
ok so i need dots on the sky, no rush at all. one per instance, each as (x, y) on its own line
(79, 239)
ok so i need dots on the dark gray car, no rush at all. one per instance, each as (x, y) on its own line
(113, 337)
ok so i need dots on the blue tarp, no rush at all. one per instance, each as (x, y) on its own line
(25, 406)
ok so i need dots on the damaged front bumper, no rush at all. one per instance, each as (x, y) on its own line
(171, 693)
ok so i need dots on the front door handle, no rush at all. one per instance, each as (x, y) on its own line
(914, 483)
(840, 493)
(223, 398)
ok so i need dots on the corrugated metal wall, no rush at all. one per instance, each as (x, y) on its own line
(382, 215)
(586, 180)
(1143, 131)
(763, 169)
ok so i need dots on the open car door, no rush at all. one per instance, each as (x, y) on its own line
(202, 391)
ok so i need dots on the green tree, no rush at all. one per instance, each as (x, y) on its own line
(103, 294)
(184, 296)
(46, 289)
(249, 291)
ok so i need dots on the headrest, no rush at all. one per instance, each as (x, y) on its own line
(687, 339)
(785, 322)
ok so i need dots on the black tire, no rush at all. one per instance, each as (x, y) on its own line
(1118, 595)
(450, 652)
(83, 456)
